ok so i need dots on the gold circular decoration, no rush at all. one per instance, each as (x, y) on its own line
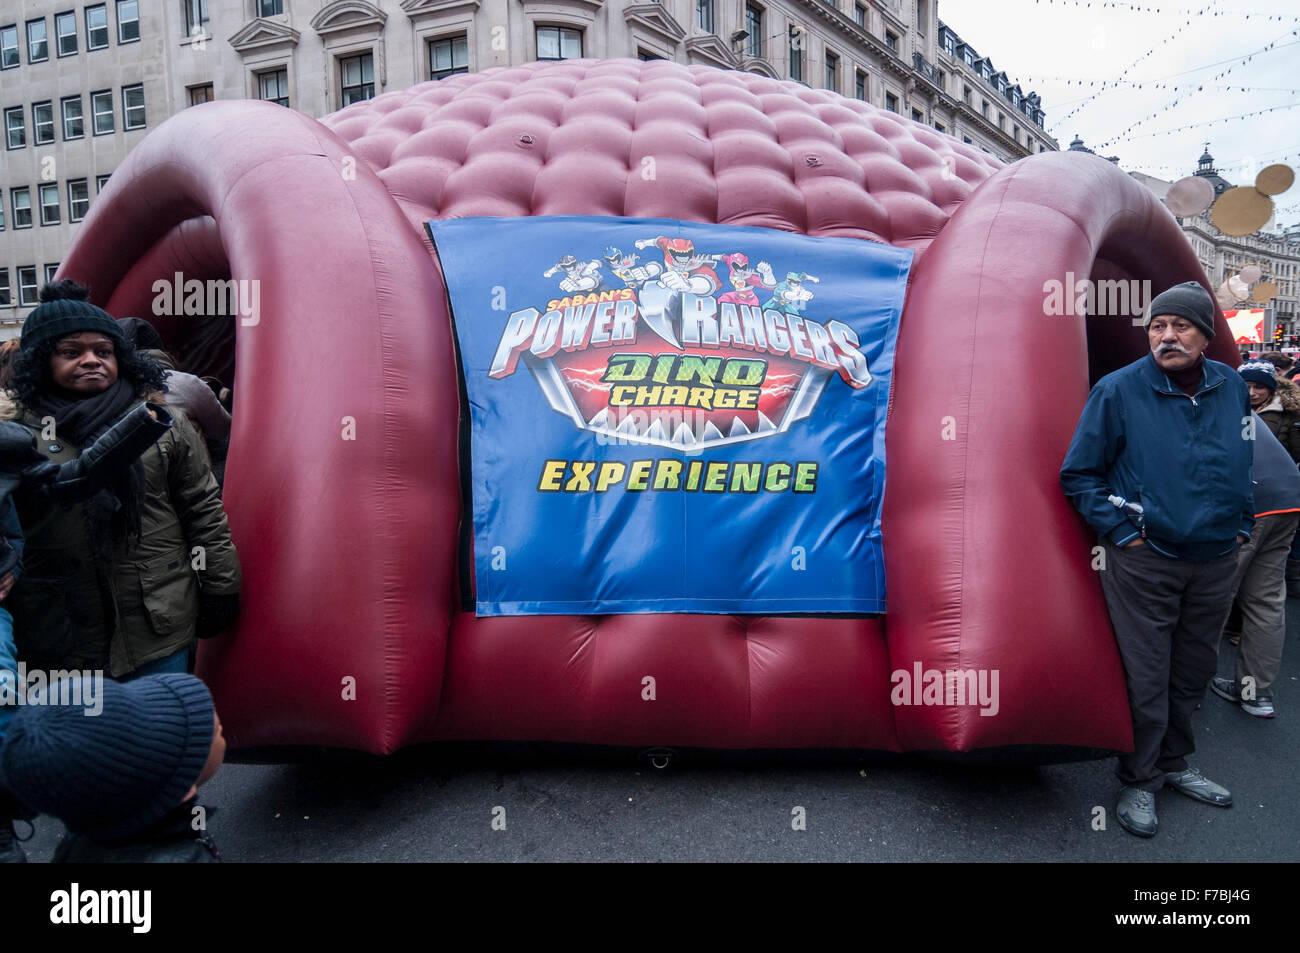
(1275, 179)
(1264, 291)
(1189, 196)
(1241, 211)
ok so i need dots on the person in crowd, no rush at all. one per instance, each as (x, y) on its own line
(125, 580)
(1277, 401)
(1283, 364)
(187, 393)
(133, 802)
(8, 351)
(1159, 468)
(1260, 585)
(21, 463)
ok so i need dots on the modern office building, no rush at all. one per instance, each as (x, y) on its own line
(81, 84)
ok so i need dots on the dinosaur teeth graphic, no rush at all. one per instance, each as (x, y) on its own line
(688, 431)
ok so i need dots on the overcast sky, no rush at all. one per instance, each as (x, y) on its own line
(1043, 43)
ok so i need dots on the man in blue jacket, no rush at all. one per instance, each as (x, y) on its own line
(1160, 467)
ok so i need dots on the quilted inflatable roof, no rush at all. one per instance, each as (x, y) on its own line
(631, 138)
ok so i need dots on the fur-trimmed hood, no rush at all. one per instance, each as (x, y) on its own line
(1286, 399)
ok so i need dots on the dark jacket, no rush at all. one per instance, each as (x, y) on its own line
(172, 840)
(22, 464)
(72, 609)
(1282, 417)
(1277, 480)
(1184, 459)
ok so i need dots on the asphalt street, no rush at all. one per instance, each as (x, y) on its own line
(440, 802)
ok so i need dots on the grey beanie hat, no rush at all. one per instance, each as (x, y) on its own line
(1189, 300)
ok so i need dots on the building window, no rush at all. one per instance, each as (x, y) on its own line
(448, 56)
(357, 78)
(558, 43)
(21, 200)
(42, 123)
(922, 17)
(891, 40)
(133, 106)
(966, 139)
(128, 21)
(38, 46)
(943, 79)
(984, 107)
(917, 116)
(1015, 132)
(8, 47)
(273, 86)
(938, 127)
(644, 55)
(96, 27)
(949, 44)
(196, 17)
(51, 271)
(200, 94)
(2, 212)
(1015, 99)
(860, 86)
(100, 182)
(832, 71)
(101, 109)
(965, 94)
(50, 203)
(78, 199)
(891, 102)
(5, 300)
(704, 15)
(65, 32)
(829, 3)
(796, 53)
(15, 128)
(754, 27)
(26, 285)
(1002, 122)
(269, 8)
(860, 15)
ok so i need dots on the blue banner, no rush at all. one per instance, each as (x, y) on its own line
(673, 417)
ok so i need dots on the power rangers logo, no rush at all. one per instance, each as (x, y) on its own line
(668, 353)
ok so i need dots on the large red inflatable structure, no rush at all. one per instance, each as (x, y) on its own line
(350, 546)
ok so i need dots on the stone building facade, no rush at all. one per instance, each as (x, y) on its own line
(82, 83)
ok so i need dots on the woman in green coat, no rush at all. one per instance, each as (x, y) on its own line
(124, 581)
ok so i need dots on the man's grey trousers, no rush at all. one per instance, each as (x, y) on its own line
(1167, 615)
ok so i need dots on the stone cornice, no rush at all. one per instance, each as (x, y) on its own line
(711, 48)
(345, 14)
(846, 27)
(262, 34)
(419, 9)
(653, 17)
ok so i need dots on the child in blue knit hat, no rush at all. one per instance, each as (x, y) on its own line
(124, 780)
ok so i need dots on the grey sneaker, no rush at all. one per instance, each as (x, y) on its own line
(1136, 811)
(1196, 785)
(1225, 688)
(1261, 707)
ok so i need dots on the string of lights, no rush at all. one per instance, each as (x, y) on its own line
(1208, 122)
(1111, 83)
(1148, 8)
(1184, 97)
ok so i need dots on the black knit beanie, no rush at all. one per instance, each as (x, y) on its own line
(1189, 300)
(111, 774)
(56, 319)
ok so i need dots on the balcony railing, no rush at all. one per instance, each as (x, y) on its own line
(927, 69)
